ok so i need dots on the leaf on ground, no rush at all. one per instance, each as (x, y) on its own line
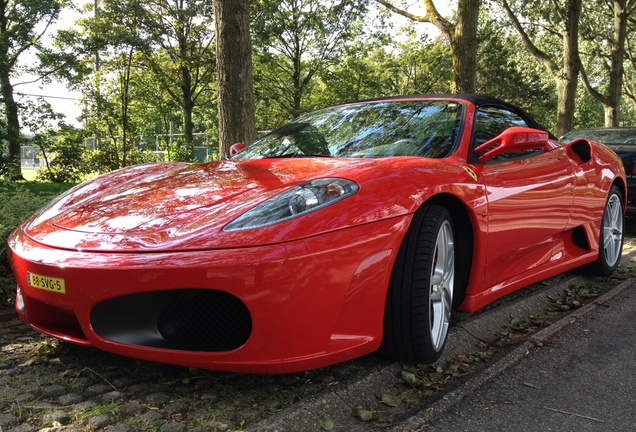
(29, 362)
(327, 424)
(411, 378)
(390, 400)
(363, 414)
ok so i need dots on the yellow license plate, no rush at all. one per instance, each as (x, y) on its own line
(46, 283)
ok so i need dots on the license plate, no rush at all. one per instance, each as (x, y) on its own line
(46, 283)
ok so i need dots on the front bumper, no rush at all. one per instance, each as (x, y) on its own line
(293, 306)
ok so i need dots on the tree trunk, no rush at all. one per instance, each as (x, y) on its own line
(14, 171)
(566, 95)
(187, 106)
(565, 76)
(611, 100)
(612, 113)
(234, 73)
(464, 46)
(567, 83)
(188, 127)
(462, 36)
(187, 102)
(125, 104)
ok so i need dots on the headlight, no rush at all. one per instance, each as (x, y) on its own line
(295, 202)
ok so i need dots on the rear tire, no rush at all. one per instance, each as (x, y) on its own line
(611, 235)
(420, 296)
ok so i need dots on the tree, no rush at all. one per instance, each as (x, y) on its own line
(298, 39)
(234, 73)
(166, 44)
(177, 47)
(600, 37)
(113, 35)
(561, 23)
(23, 25)
(409, 64)
(629, 82)
(66, 145)
(506, 69)
(462, 36)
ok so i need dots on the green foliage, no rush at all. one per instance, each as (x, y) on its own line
(103, 159)
(574, 297)
(362, 413)
(383, 66)
(17, 202)
(5, 162)
(506, 70)
(153, 69)
(24, 26)
(177, 151)
(327, 424)
(66, 152)
(294, 41)
(588, 113)
(106, 158)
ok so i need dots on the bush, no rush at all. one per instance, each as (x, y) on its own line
(66, 152)
(17, 203)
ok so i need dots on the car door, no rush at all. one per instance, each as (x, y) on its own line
(529, 200)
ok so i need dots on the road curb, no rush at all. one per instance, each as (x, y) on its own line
(419, 421)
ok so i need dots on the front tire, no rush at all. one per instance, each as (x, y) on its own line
(420, 296)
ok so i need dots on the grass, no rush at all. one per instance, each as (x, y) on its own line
(29, 173)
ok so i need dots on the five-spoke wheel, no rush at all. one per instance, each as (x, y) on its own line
(420, 297)
(611, 235)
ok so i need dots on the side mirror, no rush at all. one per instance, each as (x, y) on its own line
(237, 148)
(512, 140)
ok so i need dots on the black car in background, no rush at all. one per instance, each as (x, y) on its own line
(623, 141)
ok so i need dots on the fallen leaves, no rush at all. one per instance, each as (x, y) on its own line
(573, 297)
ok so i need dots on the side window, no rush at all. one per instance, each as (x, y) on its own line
(490, 122)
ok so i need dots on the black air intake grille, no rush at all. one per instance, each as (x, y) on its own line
(188, 319)
(206, 321)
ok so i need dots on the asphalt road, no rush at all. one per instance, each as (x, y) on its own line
(579, 375)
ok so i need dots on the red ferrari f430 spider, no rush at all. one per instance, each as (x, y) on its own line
(352, 229)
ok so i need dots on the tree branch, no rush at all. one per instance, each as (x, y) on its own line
(527, 42)
(436, 18)
(591, 90)
(392, 8)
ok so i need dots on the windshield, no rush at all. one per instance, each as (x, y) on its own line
(372, 129)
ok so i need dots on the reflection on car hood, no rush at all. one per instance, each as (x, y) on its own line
(160, 205)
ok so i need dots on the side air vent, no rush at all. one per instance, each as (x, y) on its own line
(579, 238)
(580, 151)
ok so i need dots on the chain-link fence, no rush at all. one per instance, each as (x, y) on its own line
(32, 158)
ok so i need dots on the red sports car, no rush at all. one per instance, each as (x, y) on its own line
(352, 229)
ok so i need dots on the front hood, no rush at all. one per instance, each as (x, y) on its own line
(167, 205)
